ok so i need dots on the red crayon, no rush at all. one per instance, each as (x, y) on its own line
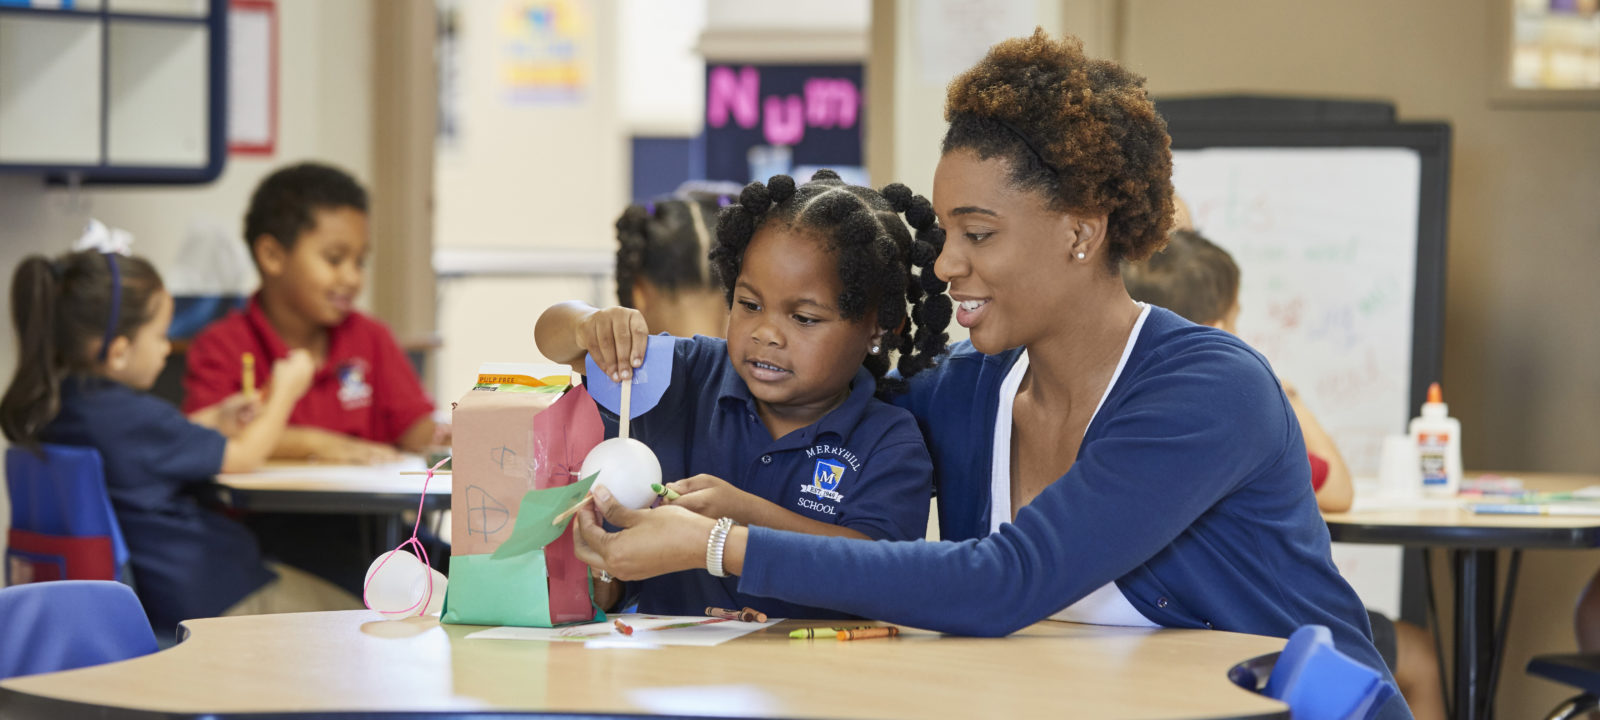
(622, 627)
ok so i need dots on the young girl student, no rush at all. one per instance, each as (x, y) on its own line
(93, 337)
(662, 266)
(782, 425)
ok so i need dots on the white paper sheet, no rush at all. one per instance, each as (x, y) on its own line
(648, 631)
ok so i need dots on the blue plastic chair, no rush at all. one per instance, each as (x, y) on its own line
(1318, 682)
(62, 524)
(50, 626)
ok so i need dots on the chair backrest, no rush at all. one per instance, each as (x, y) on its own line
(70, 624)
(62, 524)
(1318, 682)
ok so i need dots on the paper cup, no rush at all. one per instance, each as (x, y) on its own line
(1399, 475)
(397, 583)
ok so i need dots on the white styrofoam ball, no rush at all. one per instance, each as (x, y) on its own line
(627, 468)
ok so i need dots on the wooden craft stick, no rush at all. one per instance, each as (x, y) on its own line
(569, 511)
(627, 402)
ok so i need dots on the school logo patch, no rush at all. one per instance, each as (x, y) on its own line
(354, 391)
(825, 478)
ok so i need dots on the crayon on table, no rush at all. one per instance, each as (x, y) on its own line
(869, 633)
(833, 633)
(745, 615)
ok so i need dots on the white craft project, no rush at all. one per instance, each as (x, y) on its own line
(627, 468)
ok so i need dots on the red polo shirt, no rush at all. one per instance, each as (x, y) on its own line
(366, 388)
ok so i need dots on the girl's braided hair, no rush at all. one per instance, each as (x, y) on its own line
(881, 265)
(666, 242)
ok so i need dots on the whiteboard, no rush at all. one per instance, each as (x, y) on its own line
(1331, 245)
(1326, 243)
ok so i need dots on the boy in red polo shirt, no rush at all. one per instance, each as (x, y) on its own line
(307, 231)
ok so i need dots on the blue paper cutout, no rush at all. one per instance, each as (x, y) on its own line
(650, 381)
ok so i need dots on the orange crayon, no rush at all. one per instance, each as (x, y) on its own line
(869, 633)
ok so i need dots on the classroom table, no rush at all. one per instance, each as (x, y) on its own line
(353, 661)
(1473, 541)
(379, 492)
(327, 488)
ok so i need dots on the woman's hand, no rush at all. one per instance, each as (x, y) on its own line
(615, 337)
(652, 542)
(714, 497)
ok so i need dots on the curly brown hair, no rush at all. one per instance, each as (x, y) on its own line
(1082, 133)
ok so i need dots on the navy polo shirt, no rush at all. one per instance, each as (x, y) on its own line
(188, 562)
(863, 466)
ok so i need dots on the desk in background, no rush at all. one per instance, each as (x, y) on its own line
(378, 494)
(352, 662)
(1473, 541)
(313, 488)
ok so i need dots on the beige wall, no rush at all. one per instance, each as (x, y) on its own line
(529, 181)
(325, 112)
(1524, 230)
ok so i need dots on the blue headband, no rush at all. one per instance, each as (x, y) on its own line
(116, 305)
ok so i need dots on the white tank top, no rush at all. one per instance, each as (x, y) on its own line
(1106, 605)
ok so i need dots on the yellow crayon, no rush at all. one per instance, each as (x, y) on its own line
(247, 379)
(826, 633)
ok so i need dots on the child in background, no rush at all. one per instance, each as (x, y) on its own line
(1200, 281)
(781, 425)
(307, 231)
(93, 338)
(662, 268)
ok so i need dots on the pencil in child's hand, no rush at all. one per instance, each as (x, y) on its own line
(247, 379)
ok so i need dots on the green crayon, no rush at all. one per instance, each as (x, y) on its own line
(664, 491)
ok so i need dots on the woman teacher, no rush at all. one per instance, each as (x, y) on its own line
(1097, 460)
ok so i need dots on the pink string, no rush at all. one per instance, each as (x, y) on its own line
(418, 550)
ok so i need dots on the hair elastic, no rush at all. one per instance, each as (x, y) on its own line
(116, 305)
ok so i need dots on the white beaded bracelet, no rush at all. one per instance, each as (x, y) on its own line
(714, 546)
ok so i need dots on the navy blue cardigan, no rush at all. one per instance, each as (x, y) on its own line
(1191, 491)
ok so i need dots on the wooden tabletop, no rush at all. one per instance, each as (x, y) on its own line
(354, 661)
(1442, 522)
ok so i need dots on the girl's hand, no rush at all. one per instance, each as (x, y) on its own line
(615, 338)
(714, 497)
(653, 542)
(235, 412)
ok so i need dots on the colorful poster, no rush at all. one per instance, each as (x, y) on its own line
(544, 51)
(763, 120)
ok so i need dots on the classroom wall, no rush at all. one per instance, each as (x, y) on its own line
(531, 178)
(1520, 341)
(325, 112)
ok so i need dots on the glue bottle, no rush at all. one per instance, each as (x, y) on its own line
(1438, 440)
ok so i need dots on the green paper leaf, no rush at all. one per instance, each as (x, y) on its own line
(533, 530)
